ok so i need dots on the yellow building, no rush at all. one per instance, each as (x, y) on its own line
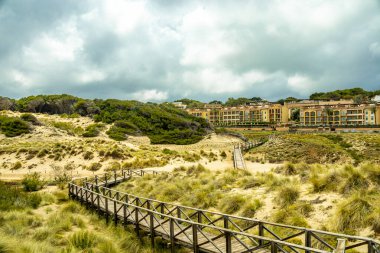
(311, 113)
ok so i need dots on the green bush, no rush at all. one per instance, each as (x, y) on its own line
(30, 118)
(94, 167)
(231, 203)
(93, 130)
(352, 214)
(83, 240)
(250, 208)
(12, 197)
(287, 195)
(32, 182)
(12, 127)
(17, 165)
(70, 128)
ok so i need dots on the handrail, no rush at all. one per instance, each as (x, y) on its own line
(205, 225)
(246, 218)
(176, 208)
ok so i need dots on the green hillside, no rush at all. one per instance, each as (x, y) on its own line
(162, 123)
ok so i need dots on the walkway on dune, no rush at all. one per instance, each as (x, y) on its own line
(202, 230)
(237, 153)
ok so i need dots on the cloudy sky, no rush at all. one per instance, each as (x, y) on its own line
(162, 50)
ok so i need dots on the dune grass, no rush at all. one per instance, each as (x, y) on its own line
(55, 224)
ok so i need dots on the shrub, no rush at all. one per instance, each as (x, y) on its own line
(92, 130)
(250, 208)
(287, 195)
(17, 165)
(43, 152)
(117, 133)
(88, 155)
(83, 240)
(290, 216)
(372, 171)
(68, 127)
(32, 182)
(355, 181)
(13, 198)
(12, 127)
(231, 203)
(326, 182)
(94, 167)
(30, 118)
(352, 214)
(114, 166)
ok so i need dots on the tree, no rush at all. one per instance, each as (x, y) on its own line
(295, 116)
(216, 102)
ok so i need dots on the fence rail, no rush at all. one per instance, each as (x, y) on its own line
(202, 230)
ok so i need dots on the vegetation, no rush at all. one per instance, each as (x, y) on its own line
(51, 223)
(190, 103)
(32, 182)
(13, 198)
(277, 194)
(162, 123)
(93, 130)
(354, 93)
(30, 118)
(11, 126)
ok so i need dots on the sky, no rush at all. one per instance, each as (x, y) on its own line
(163, 50)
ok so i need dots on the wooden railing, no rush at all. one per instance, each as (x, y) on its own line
(206, 231)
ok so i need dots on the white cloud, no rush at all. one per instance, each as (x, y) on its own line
(301, 84)
(150, 95)
(159, 50)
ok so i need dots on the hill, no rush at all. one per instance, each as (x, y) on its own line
(354, 93)
(162, 123)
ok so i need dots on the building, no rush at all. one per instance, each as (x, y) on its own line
(304, 113)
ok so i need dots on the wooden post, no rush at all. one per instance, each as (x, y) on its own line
(115, 211)
(307, 240)
(273, 248)
(92, 195)
(171, 235)
(151, 228)
(162, 210)
(106, 206)
(371, 247)
(96, 180)
(125, 214)
(261, 233)
(81, 195)
(179, 213)
(105, 180)
(98, 202)
(227, 235)
(137, 227)
(195, 238)
(115, 176)
(199, 216)
(340, 246)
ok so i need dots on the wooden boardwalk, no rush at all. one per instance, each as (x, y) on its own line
(201, 230)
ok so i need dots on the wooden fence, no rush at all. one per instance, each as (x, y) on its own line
(202, 230)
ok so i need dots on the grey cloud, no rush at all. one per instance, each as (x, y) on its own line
(166, 42)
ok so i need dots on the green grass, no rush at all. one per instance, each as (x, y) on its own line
(353, 213)
(57, 225)
(68, 127)
(287, 195)
(13, 198)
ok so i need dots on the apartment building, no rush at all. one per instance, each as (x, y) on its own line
(268, 113)
(311, 113)
(364, 114)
